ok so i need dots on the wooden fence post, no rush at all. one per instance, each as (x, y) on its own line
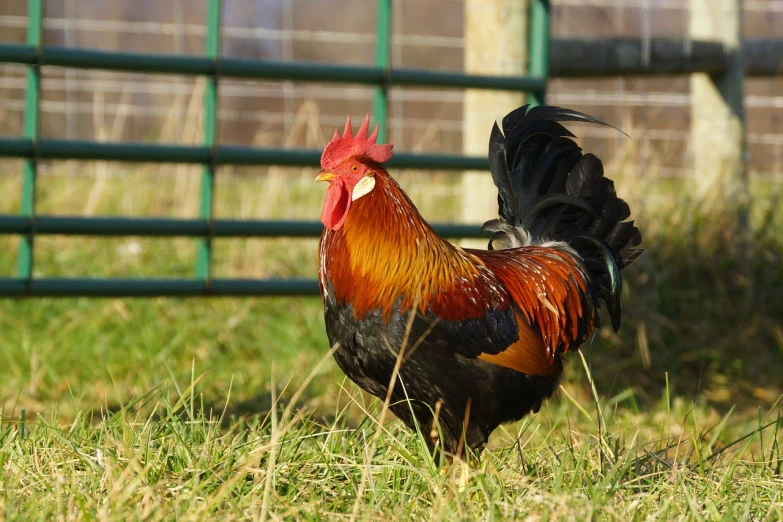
(717, 110)
(495, 43)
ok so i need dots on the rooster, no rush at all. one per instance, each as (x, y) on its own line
(470, 339)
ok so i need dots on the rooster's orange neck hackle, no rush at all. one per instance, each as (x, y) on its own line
(386, 251)
(382, 249)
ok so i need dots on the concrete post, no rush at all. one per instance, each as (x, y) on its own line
(717, 110)
(495, 43)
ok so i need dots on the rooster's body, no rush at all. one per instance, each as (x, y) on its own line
(489, 326)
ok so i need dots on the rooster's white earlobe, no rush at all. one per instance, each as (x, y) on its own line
(365, 185)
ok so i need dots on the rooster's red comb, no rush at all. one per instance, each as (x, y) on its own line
(361, 146)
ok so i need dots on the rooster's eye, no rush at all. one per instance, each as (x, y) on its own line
(354, 168)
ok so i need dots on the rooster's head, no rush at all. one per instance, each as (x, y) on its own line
(349, 164)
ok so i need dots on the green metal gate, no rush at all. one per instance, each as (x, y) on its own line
(32, 148)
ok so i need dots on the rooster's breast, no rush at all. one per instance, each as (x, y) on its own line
(439, 365)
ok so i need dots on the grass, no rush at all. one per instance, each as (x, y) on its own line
(168, 455)
(162, 409)
(191, 409)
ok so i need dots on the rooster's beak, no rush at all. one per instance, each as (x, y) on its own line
(325, 175)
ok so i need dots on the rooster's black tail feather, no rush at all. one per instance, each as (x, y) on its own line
(548, 190)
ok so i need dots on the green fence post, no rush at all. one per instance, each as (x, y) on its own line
(538, 66)
(380, 105)
(212, 50)
(31, 125)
